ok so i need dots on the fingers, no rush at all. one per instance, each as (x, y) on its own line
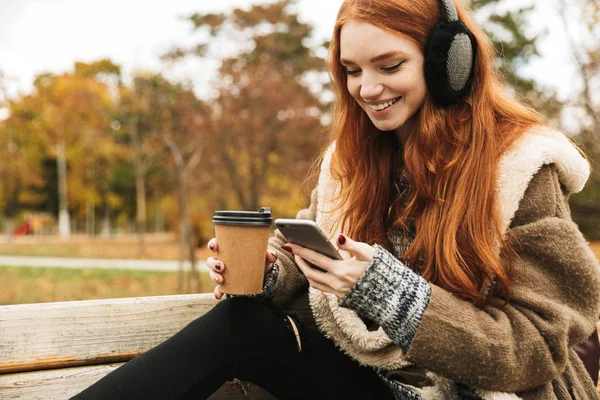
(361, 251)
(312, 274)
(217, 293)
(212, 245)
(317, 279)
(215, 269)
(214, 276)
(215, 264)
(271, 256)
(311, 256)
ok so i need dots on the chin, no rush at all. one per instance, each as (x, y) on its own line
(386, 127)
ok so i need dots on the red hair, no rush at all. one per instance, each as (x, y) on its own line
(451, 159)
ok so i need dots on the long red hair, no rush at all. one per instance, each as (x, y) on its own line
(451, 158)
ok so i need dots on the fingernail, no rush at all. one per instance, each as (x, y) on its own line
(342, 239)
(211, 246)
(272, 253)
(286, 248)
(218, 266)
(216, 279)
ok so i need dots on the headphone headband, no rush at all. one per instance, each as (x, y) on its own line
(450, 10)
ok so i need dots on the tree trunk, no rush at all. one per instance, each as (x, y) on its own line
(9, 227)
(90, 221)
(159, 219)
(140, 189)
(64, 228)
(193, 283)
(183, 172)
(180, 275)
(105, 229)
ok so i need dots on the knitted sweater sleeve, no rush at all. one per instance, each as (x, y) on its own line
(392, 295)
(554, 304)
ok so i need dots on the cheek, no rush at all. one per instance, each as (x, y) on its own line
(354, 89)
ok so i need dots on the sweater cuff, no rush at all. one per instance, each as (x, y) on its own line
(392, 295)
(271, 280)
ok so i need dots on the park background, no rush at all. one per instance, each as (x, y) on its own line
(127, 156)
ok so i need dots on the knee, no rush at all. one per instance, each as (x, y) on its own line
(240, 313)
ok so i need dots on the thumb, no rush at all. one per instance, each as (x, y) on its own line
(361, 251)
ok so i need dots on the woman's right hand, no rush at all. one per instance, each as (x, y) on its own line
(216, 266)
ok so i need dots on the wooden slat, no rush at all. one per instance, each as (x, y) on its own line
(61, 384)
(55, 384)
(66, 334)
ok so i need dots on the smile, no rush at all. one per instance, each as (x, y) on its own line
(383, 106)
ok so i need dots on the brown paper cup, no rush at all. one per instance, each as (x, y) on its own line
(243, 250)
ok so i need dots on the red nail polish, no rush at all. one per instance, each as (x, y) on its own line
(342, 239)
(212, 247)
(218, 266)
(286, 248)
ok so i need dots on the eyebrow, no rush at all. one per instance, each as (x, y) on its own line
(380, 57)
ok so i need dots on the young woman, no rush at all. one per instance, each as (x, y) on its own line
(463, 277)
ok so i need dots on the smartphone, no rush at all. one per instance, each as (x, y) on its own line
(307, 233)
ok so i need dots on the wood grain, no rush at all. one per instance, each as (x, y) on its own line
(61, 384)
(68, 334)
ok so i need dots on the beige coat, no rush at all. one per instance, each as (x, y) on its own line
(525, 348)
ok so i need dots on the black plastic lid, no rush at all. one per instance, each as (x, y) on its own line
(244, 218)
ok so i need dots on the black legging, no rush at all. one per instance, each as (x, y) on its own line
(246, 339)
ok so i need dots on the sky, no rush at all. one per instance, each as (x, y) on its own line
(49, 35)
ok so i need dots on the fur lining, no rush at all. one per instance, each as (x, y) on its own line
(539, 146)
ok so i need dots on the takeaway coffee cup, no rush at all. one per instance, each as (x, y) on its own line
(242, 238)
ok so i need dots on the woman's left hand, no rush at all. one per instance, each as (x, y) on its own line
(339, 275)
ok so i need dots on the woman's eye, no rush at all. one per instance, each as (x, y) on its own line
(393, 67)
(352, 71)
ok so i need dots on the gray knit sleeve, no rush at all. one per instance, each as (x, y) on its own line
(269, 285)
(392, 295)
(271, 280)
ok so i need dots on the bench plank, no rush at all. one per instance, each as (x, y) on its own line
(54, 384)
(76, 333)
(61, 384)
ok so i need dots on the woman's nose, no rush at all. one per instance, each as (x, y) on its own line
(370, 87)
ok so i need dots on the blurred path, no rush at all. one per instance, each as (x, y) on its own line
(103, 263)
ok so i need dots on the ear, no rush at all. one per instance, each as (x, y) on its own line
(450, 56)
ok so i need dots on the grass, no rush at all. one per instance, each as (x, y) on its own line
(157, 247)
(20, 285)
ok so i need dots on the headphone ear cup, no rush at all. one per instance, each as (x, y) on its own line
(449, 61)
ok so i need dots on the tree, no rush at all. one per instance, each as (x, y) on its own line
(74, 110)
(516, 49)
(159, 110)
(135, 111)
(101, 149)
(265, 127)
(581, 26)
(21, 151)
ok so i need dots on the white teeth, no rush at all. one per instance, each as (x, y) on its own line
(379, 107)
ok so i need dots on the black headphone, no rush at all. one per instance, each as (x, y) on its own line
(449, 57)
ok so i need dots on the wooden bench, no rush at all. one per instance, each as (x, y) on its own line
(52, 351)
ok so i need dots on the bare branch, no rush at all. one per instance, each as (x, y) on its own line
(193, 161)
(587, 98)
(177, 156)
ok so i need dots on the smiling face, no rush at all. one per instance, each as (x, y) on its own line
(385, 74)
